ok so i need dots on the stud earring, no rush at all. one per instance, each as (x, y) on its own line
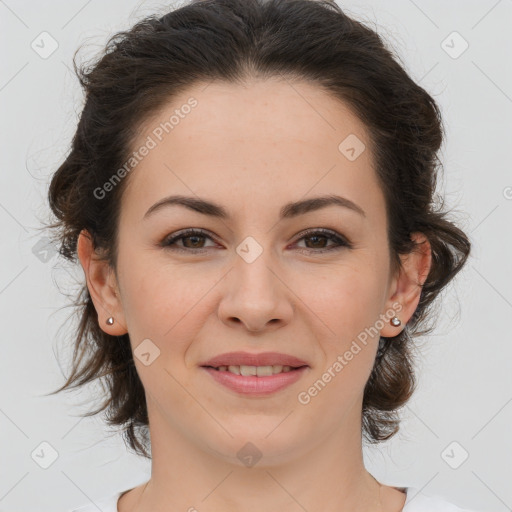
(110, 320)
(395, 321)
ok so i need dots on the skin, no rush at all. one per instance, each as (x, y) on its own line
(253, 149)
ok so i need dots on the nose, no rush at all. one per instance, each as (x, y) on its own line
(255, 297)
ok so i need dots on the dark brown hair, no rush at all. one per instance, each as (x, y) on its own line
(234, 41)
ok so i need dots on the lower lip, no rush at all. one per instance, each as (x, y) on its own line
(253, 385)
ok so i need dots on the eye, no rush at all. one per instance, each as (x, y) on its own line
(320, 235)
(197, 236)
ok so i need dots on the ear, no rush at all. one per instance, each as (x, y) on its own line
(102, 285)
(405, 289)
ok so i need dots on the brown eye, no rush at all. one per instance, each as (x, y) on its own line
(315, 239)
(319, 238)
(195, 239)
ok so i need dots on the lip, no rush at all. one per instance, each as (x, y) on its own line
(251, 359)
(253, 385)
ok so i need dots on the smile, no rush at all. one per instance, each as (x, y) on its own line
(255, 381)
(260, 371)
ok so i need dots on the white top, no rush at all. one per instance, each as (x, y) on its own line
(416, 501)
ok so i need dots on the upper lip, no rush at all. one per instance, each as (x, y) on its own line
(249, 359)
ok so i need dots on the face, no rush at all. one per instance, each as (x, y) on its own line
(309, 282)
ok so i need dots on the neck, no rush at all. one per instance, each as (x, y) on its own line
(327, 475)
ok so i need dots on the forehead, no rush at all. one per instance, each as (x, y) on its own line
(263, 140)
(272, 111)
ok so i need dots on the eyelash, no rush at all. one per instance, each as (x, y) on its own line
(331, 235)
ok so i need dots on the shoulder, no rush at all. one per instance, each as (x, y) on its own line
(418, 501)
(109, 502)
(106, 504)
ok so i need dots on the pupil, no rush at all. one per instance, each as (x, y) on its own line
(192, 237)
(316, 237)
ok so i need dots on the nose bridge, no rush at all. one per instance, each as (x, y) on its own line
(254, 294)
(252, 268)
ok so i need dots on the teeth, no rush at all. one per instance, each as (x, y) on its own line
(247, 371)
(232, 369)
(260, 371)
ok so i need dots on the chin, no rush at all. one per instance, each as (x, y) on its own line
(260, 444)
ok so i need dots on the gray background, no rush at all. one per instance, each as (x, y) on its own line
(465, 382)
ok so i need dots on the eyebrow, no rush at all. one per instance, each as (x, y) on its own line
(288, 211)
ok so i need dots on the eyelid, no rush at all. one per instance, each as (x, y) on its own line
(184, 233)
(340, 240)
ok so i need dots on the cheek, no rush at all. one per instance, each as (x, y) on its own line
(146, 295)
(347, 298)
(160, 302)
(349, 304)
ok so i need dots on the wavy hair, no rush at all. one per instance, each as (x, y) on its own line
(142, 69)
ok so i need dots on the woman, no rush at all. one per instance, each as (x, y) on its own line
(251, 195)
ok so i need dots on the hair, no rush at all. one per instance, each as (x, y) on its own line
(233, 41)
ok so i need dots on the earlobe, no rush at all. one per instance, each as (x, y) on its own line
(407, 286)
(102, 285)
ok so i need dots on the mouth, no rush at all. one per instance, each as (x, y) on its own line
(255, 381)
(255, 375)
(256, 371)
